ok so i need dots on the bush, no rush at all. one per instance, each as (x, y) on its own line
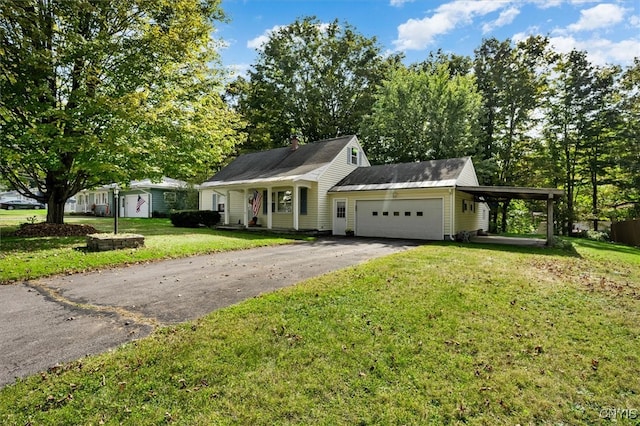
(596, 235)
(194, 218)
(561, 244)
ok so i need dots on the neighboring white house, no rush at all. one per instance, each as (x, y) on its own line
(141, 198)
(330, 186)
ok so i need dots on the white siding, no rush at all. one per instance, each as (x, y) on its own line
(468, 175)
(475, 217)
(310, 220)
(236, 205)
(335, 172)
(206, 199)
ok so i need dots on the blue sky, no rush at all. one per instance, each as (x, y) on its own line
(608, 31)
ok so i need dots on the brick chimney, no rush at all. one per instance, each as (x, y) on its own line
(295, 143)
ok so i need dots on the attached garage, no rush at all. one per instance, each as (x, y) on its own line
(411, 200)
(418, 219)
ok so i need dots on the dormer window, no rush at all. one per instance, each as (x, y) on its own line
(354, 154)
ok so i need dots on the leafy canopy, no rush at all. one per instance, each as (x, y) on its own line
(421, 115)
(312, 78)
(93, 92)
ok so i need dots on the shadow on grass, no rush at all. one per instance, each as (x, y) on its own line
(35, 244)
(146, 227)
(614, 247)
(568, 251)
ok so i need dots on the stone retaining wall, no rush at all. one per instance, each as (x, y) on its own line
(105, 242)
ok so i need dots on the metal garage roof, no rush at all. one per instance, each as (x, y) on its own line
(511, 192)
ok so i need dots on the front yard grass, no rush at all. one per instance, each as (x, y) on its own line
(441, 334)
(28, 258)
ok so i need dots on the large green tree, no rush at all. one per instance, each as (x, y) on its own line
(422, 115)
(312, 78)
(93, 92)
(568, 109)
(511, 80)
(602, 139)
(628, 170)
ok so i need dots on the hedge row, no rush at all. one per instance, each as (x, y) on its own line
(194, 218)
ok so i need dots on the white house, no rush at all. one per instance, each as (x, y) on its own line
(330, 186)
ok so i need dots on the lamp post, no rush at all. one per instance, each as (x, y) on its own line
(116, 208)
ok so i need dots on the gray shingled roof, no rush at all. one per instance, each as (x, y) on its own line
(282, 162)
(404, 175)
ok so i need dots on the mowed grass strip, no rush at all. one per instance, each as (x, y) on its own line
(441, 334)
(29, 258)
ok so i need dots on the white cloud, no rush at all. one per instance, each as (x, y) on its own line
(419, 33)
(547, 4)
(635, 20)
(506, 17)
(600, 16)
(258, 42)
(523, 35)
(239, 70)
(600, 51)
(399, 3)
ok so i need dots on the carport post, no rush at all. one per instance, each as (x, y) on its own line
(549, 219)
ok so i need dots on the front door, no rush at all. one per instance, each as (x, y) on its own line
(339, 217)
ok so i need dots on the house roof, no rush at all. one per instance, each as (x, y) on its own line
(164, 183)
(422, 174)
(307, 162)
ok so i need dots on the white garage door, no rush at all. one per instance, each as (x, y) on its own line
(417, 219)
(137, 205)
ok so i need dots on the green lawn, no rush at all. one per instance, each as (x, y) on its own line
(441, 334)
(27, 258)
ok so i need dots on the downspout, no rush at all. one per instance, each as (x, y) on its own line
(452, 226)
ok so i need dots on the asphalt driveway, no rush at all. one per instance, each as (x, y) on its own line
(55, 320)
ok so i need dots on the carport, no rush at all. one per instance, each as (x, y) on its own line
(506, 193)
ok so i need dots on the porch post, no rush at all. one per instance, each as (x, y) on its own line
(295, 206)
(549, 219)
(226, 206)
(245, 202)
(269, 212)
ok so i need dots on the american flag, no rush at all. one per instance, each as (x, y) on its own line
(139, 203)
(257, 201)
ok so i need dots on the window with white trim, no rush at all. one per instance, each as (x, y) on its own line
(354, 155)
(283, 201)
(101, 198)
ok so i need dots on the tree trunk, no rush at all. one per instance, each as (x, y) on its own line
(57, 197)
(504, 209)
(493, 217)
(55, 212)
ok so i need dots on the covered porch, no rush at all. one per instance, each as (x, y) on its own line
(280, 206)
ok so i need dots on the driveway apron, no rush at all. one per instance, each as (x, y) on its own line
(50, 321)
